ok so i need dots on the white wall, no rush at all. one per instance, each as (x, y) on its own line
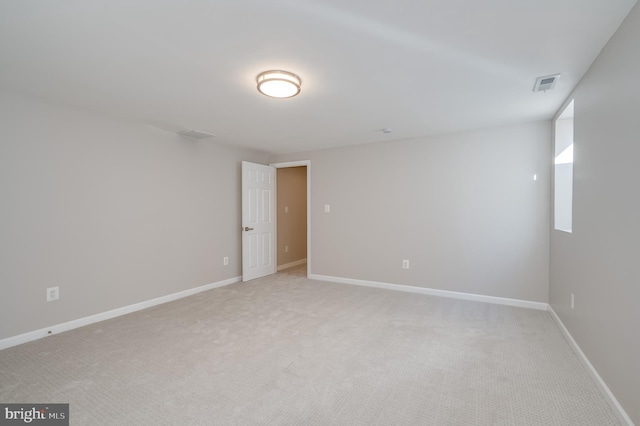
(599, 261)
(111, 212)
(463, 208)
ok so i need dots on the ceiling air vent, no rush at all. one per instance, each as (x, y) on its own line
(546, 83)
(195, 134)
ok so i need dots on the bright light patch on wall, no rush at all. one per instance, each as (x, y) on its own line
(535, 177)
(566, 156)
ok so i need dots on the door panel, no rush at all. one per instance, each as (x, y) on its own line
(258, 225)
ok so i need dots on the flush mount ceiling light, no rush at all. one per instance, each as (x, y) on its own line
(278, 84)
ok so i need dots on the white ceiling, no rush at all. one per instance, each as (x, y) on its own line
(419, 67)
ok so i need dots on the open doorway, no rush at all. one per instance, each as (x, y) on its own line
(293, 236)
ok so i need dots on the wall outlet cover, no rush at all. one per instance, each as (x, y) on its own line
(53, 293)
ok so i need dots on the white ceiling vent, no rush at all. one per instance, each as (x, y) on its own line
(546, 83)
(196, 134)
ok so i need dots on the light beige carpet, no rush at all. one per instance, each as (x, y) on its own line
(285, 350)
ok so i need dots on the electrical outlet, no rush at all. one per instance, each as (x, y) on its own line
(405, 264)
(286, 209)
(573, 301)
(327, 208)
(286, 249)
(225, 261)
(53, 294)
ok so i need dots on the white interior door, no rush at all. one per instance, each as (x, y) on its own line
(258, 221)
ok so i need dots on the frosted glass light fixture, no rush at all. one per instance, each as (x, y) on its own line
(278, 84)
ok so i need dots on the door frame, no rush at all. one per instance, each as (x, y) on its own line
(284, 165)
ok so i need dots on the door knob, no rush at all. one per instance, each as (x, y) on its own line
(246, 228)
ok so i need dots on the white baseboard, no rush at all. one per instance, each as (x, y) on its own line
(434, 292)
(292, 264)
(66, 326)
(606, 392)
